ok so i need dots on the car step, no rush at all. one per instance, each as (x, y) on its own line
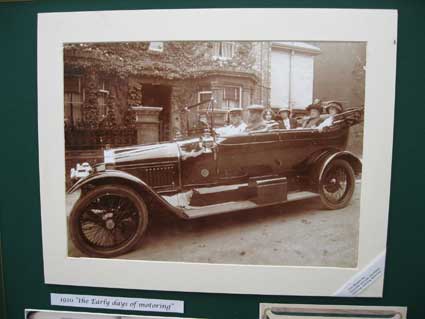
(193, 212)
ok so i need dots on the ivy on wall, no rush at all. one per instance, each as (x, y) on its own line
(123, 63)
(90, 109)
(178, 60)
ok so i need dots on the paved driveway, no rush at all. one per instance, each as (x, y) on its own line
(299, 233)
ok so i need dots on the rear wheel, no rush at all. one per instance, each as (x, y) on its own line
(337, 184)
(108, 221)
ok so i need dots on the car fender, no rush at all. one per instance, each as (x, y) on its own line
(316, 164)
(120, 177)
(352, 159)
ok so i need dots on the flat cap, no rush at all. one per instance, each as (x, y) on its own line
(314, 106)
(235, 110)
(255, 107)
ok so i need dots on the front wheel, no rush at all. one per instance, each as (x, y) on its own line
(336, 187)
(108, 221)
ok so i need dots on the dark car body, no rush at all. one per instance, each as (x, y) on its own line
(212, 174)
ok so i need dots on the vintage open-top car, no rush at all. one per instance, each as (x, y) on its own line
(207, 175)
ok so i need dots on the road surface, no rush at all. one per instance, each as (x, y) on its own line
(300, 233)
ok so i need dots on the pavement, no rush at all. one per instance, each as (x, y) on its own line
(300, 233)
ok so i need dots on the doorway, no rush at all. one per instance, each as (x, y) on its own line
(159, 96)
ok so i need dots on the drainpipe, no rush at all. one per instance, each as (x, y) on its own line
(261, 70)
(291, 55)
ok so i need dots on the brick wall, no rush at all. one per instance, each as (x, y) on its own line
(340, 75)
(339, 72)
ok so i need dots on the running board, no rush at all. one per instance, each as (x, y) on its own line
(193, 212)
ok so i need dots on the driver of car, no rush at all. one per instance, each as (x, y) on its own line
(236, 125)
(332, 108)
(314, 119)
(202, 122)
(256, 121)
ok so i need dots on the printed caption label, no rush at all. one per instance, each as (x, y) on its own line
(364, 278)
(120, 303)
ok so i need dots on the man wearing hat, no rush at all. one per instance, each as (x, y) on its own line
(314, 120)
(236, 125)
(332, 108)
(286, 123)
(256, 121)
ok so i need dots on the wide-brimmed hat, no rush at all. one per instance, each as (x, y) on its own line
(284, 109)
(334, 104)
(235, 110)
(255, 107)
(314, 106)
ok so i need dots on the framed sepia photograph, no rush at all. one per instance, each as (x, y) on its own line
(250, 145)
(51, 314)
(300, 311)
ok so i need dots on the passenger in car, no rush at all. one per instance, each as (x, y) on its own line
(255, 121)
(286, 122)
(236, 125)
(332, 108)
(269, 119)
(314, 119)
(268, 115)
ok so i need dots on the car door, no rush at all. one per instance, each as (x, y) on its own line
(246, 155)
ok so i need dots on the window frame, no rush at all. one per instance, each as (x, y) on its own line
(218, 47)
(105, 94)
(239, 97)
(203, 92)
(155, 49)
(71, 103)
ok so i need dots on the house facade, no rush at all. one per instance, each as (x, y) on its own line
(106, 85)
(118, 85)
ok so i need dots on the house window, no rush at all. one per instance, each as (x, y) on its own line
(231, 97)
(202, 97)
(224, 50)
(156, 46)
(102, 97)
(73, 100)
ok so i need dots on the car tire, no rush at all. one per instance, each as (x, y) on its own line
(108, 221)
(335, 174)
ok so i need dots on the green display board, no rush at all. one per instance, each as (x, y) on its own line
(22, 282)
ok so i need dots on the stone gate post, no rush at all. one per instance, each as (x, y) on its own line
(147, 123)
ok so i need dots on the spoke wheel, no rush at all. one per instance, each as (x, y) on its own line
(108, 221)
(337, 184)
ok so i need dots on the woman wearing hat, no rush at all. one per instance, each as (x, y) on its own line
(314, 120)
(332, 108)
(286, 122)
